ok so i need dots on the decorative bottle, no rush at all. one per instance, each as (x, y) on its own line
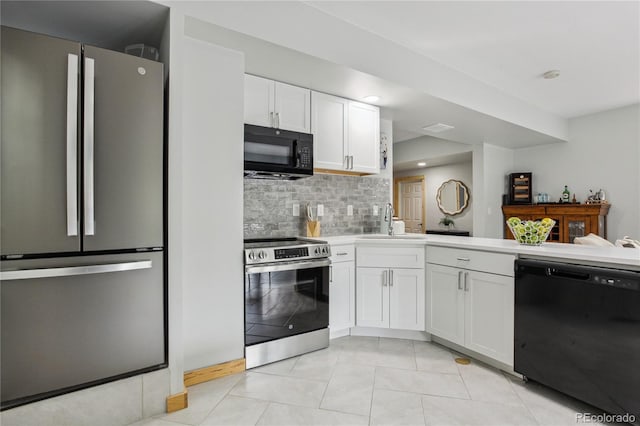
(566, 195)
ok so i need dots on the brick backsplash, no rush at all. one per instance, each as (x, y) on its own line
(268, 205)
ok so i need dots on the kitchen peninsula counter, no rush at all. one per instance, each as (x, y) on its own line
(627, 258)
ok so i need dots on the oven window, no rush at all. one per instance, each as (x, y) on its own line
(285, 303)
(267, 153)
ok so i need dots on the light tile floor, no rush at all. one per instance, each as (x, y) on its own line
(373, 381)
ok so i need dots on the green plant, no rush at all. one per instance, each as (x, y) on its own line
(447, 221)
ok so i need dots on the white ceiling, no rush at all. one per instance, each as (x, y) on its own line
(510, 44)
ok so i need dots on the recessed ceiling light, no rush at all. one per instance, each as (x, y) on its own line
(371, 98)
(551, 74)
(422, 164)
(437, 127)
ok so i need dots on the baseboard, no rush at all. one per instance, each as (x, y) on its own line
(213, 372)
(480, 357)
(339, 333)
(177, 402)
(391, 333)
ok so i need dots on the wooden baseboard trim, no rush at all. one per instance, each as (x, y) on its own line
(213, 372)
(177, 402)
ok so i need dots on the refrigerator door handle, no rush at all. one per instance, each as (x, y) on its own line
(72, 145)
(88, 136)
(26, 274)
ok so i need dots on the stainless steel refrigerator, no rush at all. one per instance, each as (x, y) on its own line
(83, 291)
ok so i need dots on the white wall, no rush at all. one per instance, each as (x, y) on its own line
(434, 177)
(205, 202)
(602, 152)
(498, 162)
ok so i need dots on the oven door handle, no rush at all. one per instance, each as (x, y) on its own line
(287, 266)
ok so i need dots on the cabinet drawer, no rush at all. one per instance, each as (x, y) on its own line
(494, 263)
(343, 253)
(390, 257)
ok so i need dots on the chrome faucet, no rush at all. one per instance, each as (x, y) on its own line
(388, 217)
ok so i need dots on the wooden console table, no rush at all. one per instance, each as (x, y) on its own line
(572, 220)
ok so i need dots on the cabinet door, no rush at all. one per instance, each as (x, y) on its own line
(406, 299)
(342, 296)
(577, 226)
(329, 128)
(259, 96)
(372, 297)
(489, 318)
(38, 184)
(292, 108)
(445, 303)
(364, 137)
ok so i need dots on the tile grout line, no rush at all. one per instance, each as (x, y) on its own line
(533, 416)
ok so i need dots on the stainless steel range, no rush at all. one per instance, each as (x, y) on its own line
(286, 292)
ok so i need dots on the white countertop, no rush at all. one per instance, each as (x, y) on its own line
(608, 256)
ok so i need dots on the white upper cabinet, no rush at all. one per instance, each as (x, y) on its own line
(346, 134)
(364, 137)
(329, 128)
(273, 104)
(259, 94)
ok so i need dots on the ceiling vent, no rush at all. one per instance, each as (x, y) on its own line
(437, 127)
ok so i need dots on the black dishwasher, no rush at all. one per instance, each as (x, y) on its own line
(577, 330)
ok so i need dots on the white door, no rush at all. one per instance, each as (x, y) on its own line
(411, 199)
(445, 303)
(364, 137)
(342, 296)
(258, 100)
(329, 128)
(292, 108)
(406, 299)
(489, 318)
(372, 297)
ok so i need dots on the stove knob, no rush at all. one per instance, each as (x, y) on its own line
(325, 250)
(262, 254)
(317, 251)
(252, 255)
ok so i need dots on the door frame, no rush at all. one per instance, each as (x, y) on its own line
(396, 196)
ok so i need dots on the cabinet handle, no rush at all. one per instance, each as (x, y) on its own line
(384, 278)
(391, 278)
(351, 168)
(466, 283)
(460, 280)
(271, 119)
(342, 253)
(346, 162)
(464, 259)
(278, 120)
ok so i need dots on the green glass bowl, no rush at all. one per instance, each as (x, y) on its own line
(530, 232)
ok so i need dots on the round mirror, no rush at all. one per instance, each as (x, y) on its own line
(453, 197)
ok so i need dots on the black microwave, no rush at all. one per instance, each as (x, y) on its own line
(277, 154)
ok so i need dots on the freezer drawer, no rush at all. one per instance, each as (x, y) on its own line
(73, 322)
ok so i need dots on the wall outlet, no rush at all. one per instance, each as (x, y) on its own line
(349, 210)
(320, 210)
(375, 210)
(296, 209)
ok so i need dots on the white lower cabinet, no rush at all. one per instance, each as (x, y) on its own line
(390, 297)
(342, 290)
(472, 308)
